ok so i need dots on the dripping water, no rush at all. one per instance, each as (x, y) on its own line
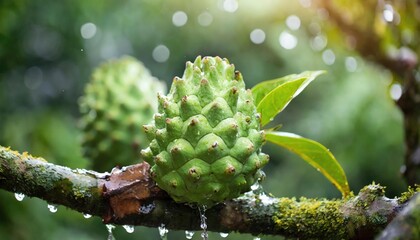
(189, 234)
(52, 208)
(129, 228)
(163, 232)
(110, 227)
(203, 223)
(19, 196)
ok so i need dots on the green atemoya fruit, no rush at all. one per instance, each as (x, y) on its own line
(206, 139)
(118, 100)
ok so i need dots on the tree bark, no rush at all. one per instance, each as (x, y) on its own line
(128, 196)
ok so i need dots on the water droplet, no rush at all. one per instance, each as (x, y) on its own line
(189, 234)
(230, 5)
(204, 235)
(87, 215)
(145, 209)
(224, 235)
(110, 227)
(257, 238)
(52, 208)
(293, 22)
(287, 40)
(129, 228)
(202, 209)
(305, 3)
(19, 196)
(319, 42)
(328, 57)
(255, 186)
(205, 19)
(161, 53)
(88, 30)
(179, 18)
(395, 91)
(257, 36)
(351, 64)
(388, 13)
(163, 231)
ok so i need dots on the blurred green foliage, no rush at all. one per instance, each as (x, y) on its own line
(47, 53)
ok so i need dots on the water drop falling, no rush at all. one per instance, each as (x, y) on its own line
(129, 228)
(52, 208)
(203, 224)
(328, 57)
(163, 231)
(110, 227)
(189, 234)
(224, 235)
(288, 40)
(388, 13)
(257, 36)
(87, 215)
(19, 196)
(395, 91)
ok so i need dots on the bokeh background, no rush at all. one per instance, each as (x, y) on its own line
(48, 50)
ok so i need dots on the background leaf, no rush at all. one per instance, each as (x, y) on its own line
(272, 96)
(315, 154)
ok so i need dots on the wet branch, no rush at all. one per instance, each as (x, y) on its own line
(129, 196)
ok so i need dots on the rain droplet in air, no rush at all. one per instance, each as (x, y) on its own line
(388, 13)
(161, 53)
(328, 57)
(163, 231)
(19, 196)
(203, 224)
(189, 234)
(110, 227)
(88, 30)
(257, 36)
(230, 5)
(129, 228)
(52, 208)
(224, 235)
(205, 19)
(395, 91)
(293, 22)
(351, 64)
(179, 18)
(87, 215)
(287, 40)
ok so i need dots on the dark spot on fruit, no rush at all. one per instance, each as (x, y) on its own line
(230, 170)
(193, 122)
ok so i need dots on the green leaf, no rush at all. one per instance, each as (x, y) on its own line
(272, 96)
(315, 154)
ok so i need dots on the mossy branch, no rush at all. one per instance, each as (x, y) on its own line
(129, 196)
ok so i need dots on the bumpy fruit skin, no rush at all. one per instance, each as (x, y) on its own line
(118, 100)
(206, 139)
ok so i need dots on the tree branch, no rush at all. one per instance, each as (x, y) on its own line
(129, 196)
